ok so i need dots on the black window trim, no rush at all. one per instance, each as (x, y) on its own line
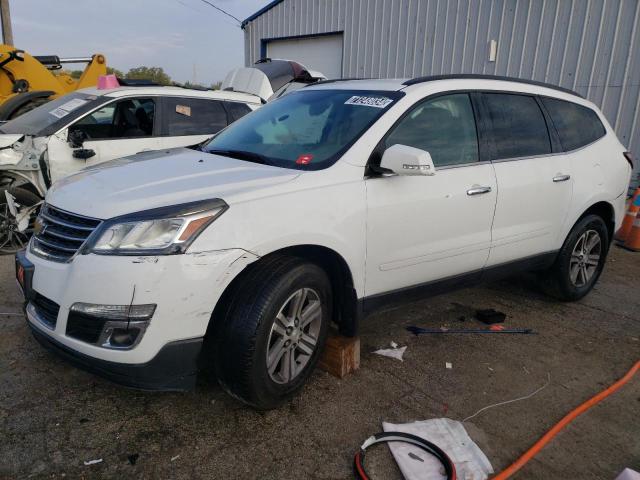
(156, 115)
(479, 115)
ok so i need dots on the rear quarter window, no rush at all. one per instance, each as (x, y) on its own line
(576, 125)
(193, 116)
(236, 110)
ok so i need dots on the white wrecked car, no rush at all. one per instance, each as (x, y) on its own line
(92, 126)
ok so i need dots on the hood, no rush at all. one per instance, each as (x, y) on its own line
(268, 76)
(8, 139)
(158, 179)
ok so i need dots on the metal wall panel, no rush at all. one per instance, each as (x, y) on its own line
(591, 46)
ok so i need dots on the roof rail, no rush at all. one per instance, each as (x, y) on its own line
(135, 82)
(472, 76)
(334, 80)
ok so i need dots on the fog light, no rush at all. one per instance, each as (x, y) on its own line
(119, 327)
(122, 337)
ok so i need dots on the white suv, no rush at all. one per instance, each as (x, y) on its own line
(318, 208)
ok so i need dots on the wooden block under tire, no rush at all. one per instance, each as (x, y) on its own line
(341, 355)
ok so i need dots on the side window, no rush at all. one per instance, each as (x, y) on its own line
(444, 126)
(519, 128)
(236, 110)
(577, 126)
(194, 116)
(127, 118)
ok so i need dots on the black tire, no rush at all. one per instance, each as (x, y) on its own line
(240, 338)
(557, 281)
(11, 242)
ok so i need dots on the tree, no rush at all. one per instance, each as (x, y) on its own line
(115, 71)
(154, 74)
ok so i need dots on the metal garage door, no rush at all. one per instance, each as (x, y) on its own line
(322, 53)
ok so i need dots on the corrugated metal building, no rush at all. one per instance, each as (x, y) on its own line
(591, 46)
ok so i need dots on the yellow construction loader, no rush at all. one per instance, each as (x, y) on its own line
(28, 81)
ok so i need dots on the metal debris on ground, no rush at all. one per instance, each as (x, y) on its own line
(493, 329)
(448, 365)
(92, 462)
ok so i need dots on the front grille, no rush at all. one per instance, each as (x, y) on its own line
(59, 234)
(83, 327)
(47, 310)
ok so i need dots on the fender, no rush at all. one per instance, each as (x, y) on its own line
(8, 108)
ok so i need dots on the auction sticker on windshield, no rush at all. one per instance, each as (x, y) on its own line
(377, 102)
(67, 107)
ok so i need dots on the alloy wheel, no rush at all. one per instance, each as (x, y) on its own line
(585, 258)
(294, 335)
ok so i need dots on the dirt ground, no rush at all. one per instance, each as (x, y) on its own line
(54, 417)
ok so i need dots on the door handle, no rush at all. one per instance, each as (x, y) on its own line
(478, 190)
(561, 178)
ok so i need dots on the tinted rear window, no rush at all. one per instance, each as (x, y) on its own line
(194, 116)
(577, 126)
(519, 128)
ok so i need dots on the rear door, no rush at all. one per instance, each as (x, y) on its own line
(534, 178)
(188, 121)
(426, 228)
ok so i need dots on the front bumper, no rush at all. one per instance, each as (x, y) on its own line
(185, 289)
(174, 368)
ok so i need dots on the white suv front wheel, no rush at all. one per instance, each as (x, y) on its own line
(273, 330)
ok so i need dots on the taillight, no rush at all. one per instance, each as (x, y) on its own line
(627, 155)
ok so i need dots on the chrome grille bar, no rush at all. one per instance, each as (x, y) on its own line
(60, 234)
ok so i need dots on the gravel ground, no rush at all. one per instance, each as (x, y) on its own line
(54, 417)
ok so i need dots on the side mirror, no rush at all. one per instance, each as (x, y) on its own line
(76, 138)
(405, 160)
(83, 153)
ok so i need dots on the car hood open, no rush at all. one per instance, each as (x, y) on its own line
(163, 178)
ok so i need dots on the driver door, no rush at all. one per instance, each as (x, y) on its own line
(421, 229)
(119, 129)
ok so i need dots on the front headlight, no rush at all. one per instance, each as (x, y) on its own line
(161, 231)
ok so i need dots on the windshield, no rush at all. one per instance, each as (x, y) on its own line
(306, 129)
(46, 119)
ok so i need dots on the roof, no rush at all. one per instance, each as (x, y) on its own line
(470, 76)
(264, 9)
(479, 82)
(388, 84)
(170, 91)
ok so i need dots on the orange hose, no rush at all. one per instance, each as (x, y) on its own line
(540, 444)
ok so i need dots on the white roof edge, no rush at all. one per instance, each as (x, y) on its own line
(172, 91)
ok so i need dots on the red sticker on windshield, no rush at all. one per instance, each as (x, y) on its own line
(304, 159)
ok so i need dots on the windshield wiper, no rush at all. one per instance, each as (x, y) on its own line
(242, 155)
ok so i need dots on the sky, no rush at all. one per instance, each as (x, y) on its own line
(177, 35)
